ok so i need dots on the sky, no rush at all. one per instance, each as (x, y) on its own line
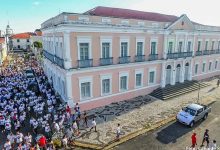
(27, 15)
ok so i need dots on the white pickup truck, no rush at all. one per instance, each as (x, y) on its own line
(193, 113)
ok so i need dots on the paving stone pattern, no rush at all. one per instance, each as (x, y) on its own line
(138, 113)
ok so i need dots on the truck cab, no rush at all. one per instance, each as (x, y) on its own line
(192, 113)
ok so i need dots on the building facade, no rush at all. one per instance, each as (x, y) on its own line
(107, 55)
(3, 51)
(21, 41)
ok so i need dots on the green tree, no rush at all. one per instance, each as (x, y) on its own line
(38, 44)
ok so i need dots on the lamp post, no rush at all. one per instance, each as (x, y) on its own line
(198, 93)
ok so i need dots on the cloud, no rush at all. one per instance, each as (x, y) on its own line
(36, 3)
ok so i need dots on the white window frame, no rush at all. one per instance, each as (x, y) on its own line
(155, 75)
(218, 44)
(173, 41)
(106, 40)
(84, 40)
(213, 45)
(124, 39)
(154, 40)
(199, 40)
(211, 66)
(125, 22)
(141, 23)
(83, 80)
(216, 68)
(197, 69)
(103, 77)
(178, 42)
(140, 39)
(204, 62)
(207, 40)
(191, 46)
(83, 18)
(139, 71)
(121, 74)
(106, 20)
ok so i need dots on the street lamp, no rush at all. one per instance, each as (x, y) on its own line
(198, 93)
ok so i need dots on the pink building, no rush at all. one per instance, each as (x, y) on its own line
(107, 55)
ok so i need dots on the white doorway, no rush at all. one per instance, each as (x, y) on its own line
(178, 71)
(168, 75)
(186, 71)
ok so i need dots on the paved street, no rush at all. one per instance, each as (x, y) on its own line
(176, 136)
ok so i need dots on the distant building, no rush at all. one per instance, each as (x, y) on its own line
(3, 50)
(21, 41)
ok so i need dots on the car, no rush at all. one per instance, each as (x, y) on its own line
(193, 113)
(29, 73)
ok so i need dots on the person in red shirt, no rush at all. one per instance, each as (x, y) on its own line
(194, 141)
(42, 142)
(68, 110)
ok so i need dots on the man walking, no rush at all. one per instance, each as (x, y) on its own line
(93, 125)
(194, 140)
(118, 132)
(205, 138)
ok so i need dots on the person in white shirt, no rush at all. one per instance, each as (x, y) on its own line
(28, 138)
(56, 127)
(65, 141)
(118, 132)
(7, 145)
(19, 138)
(11, 138)
(93, 124)
(213, 145)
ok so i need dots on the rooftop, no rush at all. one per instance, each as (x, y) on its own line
(25, 35)
(130, 14)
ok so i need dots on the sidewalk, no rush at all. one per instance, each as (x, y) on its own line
(139, 115)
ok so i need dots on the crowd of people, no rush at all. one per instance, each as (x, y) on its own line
(26, 114)
(31, 113)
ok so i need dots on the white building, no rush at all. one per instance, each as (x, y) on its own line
(21, 41)
(3, 51)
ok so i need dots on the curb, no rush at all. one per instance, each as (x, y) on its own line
(88, 145)
(130, 136)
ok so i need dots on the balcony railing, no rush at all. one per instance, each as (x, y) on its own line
(124, 59)
(106, 61)
(198, 53)
(153, 57)
(179, 55)
(48, 55)
(205, 52)
(217, 51)
(59, 61)
(139, 58)
(212, 52)
(85, 63)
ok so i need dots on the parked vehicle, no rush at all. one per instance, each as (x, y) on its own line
(29, 73)
(193, 113)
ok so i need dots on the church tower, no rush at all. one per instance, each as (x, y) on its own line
(8, 33)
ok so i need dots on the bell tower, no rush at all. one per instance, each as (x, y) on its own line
(8, 33)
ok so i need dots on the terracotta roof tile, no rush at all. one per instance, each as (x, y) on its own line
(26, 35)
(130, 14)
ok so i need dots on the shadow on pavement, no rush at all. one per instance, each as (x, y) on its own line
(174, 131)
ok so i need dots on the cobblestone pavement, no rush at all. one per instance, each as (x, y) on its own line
(139, 113)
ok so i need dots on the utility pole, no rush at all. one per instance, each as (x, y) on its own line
(198, 93)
